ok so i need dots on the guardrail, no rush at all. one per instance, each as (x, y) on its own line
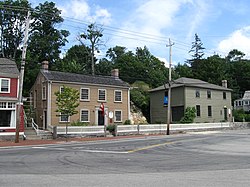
(136, 129)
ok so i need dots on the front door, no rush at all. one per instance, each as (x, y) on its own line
(225, 114)
(100, 118)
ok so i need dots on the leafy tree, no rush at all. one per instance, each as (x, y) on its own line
(67, 102)
(182, 71)
(104, 67)
(76, 60)
(93, 35)
(197, 54)
(12, 25)
(235, 55)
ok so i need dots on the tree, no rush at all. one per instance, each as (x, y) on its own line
(197, 54)
(93, 35)
(66, 102)
(182, 71)
(189, 115)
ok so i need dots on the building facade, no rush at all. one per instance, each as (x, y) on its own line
(243, 103)
(103, 99)
(212, 102)
(9, 82)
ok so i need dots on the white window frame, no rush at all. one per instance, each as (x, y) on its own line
(81, 99)
(117, 101)
(60, 89)
(81, 115)
(115, 119)
(105, 95)
(1, 79)
(43, 92)
(60, 119)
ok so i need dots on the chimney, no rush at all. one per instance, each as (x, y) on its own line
(45, 65)
(115, 73)
(224, 83)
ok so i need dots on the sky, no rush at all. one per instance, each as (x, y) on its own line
(222, 25)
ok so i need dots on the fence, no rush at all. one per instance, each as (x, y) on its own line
(142, 129)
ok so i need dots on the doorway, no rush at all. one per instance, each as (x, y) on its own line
(100, 118)
(225, 114)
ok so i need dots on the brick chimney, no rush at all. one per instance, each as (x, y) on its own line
(115, 73)
(45, 65)
(224, 83)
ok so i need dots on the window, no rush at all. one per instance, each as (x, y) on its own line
(224, 95)
(209, 111)
(198, 110)
(85, 94)
(84, 115)
(61, 89)
(245, 102)
(44, 93)
(197, 93)
(64, 118)
(101, 95)
(5, 85)
(118, 116)
(209, 94)
(118, 96)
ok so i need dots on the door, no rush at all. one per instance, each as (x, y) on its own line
(100, 118)
(45, 119)
(225, 114)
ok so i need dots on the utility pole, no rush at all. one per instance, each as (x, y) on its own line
(20, 91)
(169, 85)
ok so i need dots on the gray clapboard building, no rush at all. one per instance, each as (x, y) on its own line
(212, 102)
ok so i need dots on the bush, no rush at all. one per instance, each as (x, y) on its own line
(78, 123)
(240, 116)
(127, 122)
(111, 128)
(189, 115)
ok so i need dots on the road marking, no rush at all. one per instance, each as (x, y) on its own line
(150, 147)
(112, 152)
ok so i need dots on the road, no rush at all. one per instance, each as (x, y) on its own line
(195, 159)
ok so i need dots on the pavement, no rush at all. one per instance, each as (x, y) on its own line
(10, 143)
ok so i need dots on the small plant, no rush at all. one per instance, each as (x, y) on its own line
(111, 129)
(79, 123)
(189, 115)
(127, 122)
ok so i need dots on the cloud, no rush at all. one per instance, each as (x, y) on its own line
(81, 10)
(240, 39)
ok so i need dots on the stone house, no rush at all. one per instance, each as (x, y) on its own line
(212, 102)
(99, 95)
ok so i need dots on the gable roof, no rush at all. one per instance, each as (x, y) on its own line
(80, 78)
(8, 67)
(188, 82)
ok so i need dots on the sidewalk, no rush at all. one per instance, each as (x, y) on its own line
(4, 143)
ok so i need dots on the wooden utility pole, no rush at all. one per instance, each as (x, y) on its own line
(20, 91)
(169, 85)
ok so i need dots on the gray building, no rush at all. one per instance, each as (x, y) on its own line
(243, 103)
(212, 102)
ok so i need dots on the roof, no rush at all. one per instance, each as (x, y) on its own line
(246, 95)
(8, 66)
(80, 78)
(188, 82)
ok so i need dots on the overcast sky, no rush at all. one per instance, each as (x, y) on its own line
(222, 25)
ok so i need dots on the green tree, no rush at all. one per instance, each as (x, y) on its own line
(182, 71)
(93, 35)
(189, 115)
(196, 53)
(67, 102)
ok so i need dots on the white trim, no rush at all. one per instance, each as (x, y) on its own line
(49, 104)
(115, 96)
(129, 103)
(10, 133)
(82, 88)
(115, 116)
(44, 93)
(8, 79)
(99, 95)
(63, 121)
(81, 115)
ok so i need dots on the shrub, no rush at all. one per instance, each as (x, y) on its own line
(189, 115)
(111, 128)
(78, 123)
(127, 122)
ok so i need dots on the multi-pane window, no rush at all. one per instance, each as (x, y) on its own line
(84, 115)
(209, 111)
(102, 95)
(118, 96)
(198, 110)
(61, 89)
(44, 93)
(5, 85)
(118, 116)
(64, 118)
(224, 95)
(197, 93)
(209, 94)
(85, 94)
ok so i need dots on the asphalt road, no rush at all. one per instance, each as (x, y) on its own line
(195, 159)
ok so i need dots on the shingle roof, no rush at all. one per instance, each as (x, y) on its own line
(188, 82)
(8, 66)
(80, 78)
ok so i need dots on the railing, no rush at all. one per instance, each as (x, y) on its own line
(35, 127)
(87, 130)
(25, 118)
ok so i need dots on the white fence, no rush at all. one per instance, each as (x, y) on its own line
(141, 129)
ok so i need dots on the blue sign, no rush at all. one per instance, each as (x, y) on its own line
(166, 100)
